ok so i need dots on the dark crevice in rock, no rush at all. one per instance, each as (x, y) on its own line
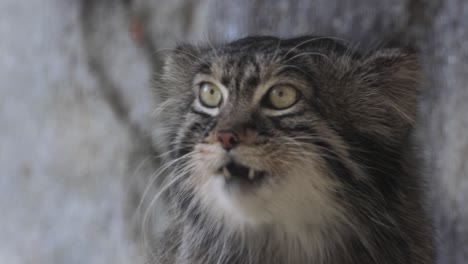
(109, 90)
(142, 159)
(110, 93)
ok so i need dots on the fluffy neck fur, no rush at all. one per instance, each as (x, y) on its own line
(356, 118)
(376, 237)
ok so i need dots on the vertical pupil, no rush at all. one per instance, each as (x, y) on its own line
(280, 93)
(212, 91)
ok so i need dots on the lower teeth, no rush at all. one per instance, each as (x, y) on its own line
(226, 173)
(251, 174)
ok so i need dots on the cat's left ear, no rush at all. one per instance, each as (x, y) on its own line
(398, 78)
(387, 106)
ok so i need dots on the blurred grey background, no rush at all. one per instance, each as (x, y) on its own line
(76, 109)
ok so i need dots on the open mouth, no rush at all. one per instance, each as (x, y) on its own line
(237, 172)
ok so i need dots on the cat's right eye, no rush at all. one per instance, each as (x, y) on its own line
(210, 95)
(281, 97)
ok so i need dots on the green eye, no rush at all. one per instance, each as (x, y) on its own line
(210, 95)
(282, 97)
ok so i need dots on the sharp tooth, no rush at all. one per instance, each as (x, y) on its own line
(226, 173)
(251, 174)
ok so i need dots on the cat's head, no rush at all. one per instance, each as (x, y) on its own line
(279, 131)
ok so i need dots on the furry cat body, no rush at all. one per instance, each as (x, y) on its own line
(333, 178)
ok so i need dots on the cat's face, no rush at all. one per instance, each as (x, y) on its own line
(262, 131)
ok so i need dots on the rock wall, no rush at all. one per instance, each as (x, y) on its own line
(76, 124)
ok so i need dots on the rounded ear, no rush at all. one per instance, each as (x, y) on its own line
(398, 77)
(177, 70)
(389, 81)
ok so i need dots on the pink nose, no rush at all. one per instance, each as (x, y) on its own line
(227, 138)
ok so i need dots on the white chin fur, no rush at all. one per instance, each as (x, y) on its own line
(300, 197)
(232, 205)
(291, 203)
(237, 205)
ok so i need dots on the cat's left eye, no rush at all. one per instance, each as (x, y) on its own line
(281, 97)
(210, 95)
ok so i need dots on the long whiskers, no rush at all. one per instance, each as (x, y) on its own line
(212, 48)
(167, 103)
(312, 53)
(295, 67)
(175, 176)
(310, 40)
(276, 50)
(158, 173)
(183, 51)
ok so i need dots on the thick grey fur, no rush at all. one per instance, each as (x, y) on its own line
(358, 110)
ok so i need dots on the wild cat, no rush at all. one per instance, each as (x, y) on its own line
(291, 151)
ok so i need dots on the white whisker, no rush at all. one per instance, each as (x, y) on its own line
(183, 51)
(310, 40)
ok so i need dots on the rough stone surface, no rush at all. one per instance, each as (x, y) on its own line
(445, 126)
(64, 153)
(76, 155)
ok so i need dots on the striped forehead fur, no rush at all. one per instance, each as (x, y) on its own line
(341, 183)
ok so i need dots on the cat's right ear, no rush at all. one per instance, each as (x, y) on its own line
(177, 70)
(178, 60)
